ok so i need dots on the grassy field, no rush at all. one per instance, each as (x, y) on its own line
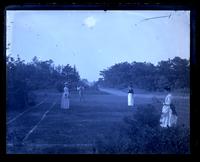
(76, 129)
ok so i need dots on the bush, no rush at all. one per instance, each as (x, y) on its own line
(31, 99)
(17, 95)
(141, 134)
(147, 115)
(173, 140)
(113, 142)
(59, 87)
(15, 101)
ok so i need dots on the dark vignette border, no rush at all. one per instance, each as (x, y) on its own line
(105, 5)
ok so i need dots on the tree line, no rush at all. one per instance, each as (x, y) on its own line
(172, 72)
(23, 78)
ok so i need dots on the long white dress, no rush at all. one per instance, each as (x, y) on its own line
(65, 99)
(167, 118)
(130, 99)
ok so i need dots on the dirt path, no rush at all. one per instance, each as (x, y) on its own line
(137, 95)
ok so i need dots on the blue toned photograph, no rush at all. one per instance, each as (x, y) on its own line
(97, 82)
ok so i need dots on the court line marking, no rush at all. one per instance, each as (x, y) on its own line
(12, 120)
(44, 115)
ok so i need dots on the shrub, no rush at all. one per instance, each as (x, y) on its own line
(59, 86)
(31, 99)
(173, 140)
(113, 142)
(17, 96)
(141, 134)
(147, 115)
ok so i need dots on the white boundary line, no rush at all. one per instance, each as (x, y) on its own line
(44, 115)
(12, 120)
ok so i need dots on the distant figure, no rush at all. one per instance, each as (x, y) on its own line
(130, 96)
(65, 98)
(80, 92)
(169, 115)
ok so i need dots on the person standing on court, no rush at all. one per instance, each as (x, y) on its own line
(169, 115)
(80, 92)
(130, 96)
(65, 97)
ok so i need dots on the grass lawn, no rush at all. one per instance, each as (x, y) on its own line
(74, 130)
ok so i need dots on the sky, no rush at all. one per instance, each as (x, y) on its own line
(96, 40)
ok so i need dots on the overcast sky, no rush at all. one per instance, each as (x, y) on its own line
(95, 40)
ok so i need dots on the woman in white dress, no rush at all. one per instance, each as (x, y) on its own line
(130, 96)
(168, 117)
(65, 98)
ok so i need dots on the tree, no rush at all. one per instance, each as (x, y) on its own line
(71, 76)
(22, 78)
(16, 87)
(181, 71)
(117, 75)
(174, 73)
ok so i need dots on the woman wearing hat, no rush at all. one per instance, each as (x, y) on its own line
(169, 115)
(65, 98)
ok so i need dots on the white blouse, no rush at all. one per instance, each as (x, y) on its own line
(168, 99)
(66, 90)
